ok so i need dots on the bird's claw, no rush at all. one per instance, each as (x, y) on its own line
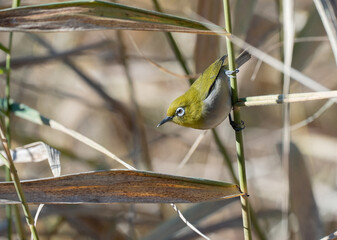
(230, 73)
(235, 126)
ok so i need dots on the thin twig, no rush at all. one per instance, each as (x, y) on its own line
(161, 68)
(190, 225)
(192, 149)
(313, 117)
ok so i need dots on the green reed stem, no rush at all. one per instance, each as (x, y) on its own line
(238, 134)
(9, 208)
(17, 184)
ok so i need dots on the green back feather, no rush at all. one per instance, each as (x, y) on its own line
(207, 78)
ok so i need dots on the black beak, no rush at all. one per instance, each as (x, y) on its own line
(164, 121)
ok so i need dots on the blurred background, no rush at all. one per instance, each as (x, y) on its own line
(98, 84)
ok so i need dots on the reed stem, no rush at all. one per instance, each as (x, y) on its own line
(238, 134)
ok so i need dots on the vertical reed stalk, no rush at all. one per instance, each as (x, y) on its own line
(17, 184)
(238, 134)
(7, 128)
(287, 13)
(9, 208)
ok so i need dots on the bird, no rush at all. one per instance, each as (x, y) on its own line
(207, 102)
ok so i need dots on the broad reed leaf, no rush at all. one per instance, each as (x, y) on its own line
(95, 15)
(119, 186)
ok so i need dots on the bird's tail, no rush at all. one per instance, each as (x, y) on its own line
(242, 58)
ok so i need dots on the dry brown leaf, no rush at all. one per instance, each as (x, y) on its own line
(119, 186)
(95, 15)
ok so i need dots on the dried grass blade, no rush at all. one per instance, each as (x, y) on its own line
(37, 152)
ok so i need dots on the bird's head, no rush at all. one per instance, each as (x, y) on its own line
(185, 110)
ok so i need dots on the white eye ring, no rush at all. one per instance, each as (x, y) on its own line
(180, 111)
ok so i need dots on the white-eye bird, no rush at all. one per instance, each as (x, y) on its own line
(208, 101)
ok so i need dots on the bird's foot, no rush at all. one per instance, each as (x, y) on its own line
(230, 73)
(235, 126)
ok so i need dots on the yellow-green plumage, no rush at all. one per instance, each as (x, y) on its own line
(192, 103)
(208, 101)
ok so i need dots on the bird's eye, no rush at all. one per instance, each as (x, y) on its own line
(180, 111)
